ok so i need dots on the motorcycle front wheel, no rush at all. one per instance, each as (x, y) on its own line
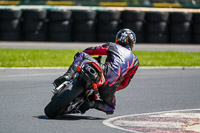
(58, 104)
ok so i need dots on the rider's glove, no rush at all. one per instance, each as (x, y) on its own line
(57, 82)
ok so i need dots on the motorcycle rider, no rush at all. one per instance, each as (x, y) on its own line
(119, 68)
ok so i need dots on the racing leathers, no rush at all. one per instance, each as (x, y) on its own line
(119, 68)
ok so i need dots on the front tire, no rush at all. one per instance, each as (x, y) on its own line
(62, 100)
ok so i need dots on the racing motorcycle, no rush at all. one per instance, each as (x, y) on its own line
(71, 95)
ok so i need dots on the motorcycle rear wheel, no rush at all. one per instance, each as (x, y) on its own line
(59, 103)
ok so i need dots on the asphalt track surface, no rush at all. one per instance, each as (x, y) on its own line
(76, 45)
(25, 92)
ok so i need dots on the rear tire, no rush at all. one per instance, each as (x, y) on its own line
(62, 100)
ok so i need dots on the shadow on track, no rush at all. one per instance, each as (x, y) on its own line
(69, 117)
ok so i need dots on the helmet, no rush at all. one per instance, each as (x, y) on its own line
(126, 37)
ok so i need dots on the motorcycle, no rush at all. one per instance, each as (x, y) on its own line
(71, 95)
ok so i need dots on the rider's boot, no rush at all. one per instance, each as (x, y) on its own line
(66, 77)
(100, 105)
(70, 73)
(97, 104)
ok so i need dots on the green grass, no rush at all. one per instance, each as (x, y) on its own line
(35, 57)
(63, 58)
(168, 58)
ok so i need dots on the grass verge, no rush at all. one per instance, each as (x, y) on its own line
(63, 58)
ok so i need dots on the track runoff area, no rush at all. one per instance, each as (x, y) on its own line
(180, 121)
